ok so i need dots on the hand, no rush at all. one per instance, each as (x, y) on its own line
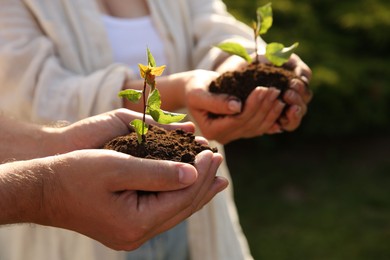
(298, 96)
(94, 132)
(258, 117)
(95, 192)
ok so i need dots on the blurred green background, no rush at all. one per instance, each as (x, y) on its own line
(323, 191)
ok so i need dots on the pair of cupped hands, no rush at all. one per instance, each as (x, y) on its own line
(262, 113)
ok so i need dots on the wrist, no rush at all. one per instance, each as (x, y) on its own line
(23, 190)
(53, 140)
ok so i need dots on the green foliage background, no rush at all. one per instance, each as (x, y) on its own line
(322, 192)
(346, 44)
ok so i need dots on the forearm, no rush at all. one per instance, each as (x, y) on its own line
(22, 191)
(22, 141)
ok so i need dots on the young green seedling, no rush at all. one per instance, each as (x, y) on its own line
(275, 52)
(151, 104)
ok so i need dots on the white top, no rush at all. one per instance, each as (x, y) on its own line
(78, 80)
(129, 39)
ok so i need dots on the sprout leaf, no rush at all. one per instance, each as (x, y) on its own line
(151, 60)
(140, 127)
(164, 117)
(131, 94)
(235, 49)
(154, 100)
(159, 115)
(264, 18)
(278, 54)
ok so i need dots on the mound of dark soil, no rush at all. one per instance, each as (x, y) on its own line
(242, 83)
(176, 145)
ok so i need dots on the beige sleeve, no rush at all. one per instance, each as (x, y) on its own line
(48, 74)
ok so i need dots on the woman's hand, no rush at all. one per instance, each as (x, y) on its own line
(298, 96)
(259, 116)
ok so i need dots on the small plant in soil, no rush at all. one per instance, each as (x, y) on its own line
(151, 104)
(272, 74)
(151, 141)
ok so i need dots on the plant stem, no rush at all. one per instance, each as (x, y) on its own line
(144, 112)
(256, 50)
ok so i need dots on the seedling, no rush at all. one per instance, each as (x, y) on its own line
(275, 52)
(151, 104)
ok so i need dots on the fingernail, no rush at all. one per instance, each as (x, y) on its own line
(290, 94)
(294, 84)
(305, 81)
(262, 91)
(274, 94)
(279, 131)
(234, 105)
(187, 175)
(297, 110)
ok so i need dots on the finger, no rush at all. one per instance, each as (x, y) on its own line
(152, 175)
(108, 125)
(201, 140)
(292, 119)
(258, 104)
(208, 190)
(275, 129)
(126, 116)
(271, 119)
(175, 206)
(219, 184)
(186, 126)
(182, 208)
(216, 128)
(198, 194)
(291, 97)
(220, 104)
(207, 164)
(300, 68)
(302, 89)
(266, 112)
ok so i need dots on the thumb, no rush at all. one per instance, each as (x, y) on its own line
(221, 104)
(154, 175)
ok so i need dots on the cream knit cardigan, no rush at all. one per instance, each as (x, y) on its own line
(56, 64)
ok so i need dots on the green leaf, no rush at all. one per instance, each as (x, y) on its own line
(277, 54)
(151, 61)
(140, 128)
(131, 94)
(164, 117)
(235, 49)
(154, 100)
(264, 18)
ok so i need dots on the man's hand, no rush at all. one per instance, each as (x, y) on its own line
(97, 193)
(94, 132)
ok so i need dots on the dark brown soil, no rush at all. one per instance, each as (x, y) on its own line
(176, 145)
(242, 83)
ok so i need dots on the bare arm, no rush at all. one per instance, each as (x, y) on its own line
(21, 141)
(83, 190)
